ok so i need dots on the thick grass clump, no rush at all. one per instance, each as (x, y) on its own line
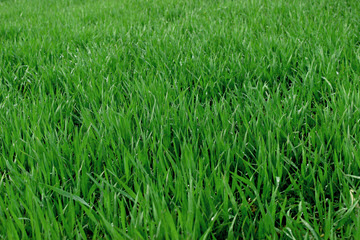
(174, 119)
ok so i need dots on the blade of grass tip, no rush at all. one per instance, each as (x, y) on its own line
(308, 226)
(2, 179)
(130, 192)
(112, 187)
(17, 221)
(289, 234)
(68, 195)
(81, 229)
(212, 221)
(116, 234)
(231, 229)
(172, 226)
(11, 231)
(339, 223)
(252, 186)
(89, 213)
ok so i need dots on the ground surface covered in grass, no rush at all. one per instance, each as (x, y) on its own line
(173, 119)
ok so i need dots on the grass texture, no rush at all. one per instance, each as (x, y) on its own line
(176, 119)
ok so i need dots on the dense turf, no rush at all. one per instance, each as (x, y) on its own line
(171, 119)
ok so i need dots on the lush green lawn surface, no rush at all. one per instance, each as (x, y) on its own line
(177, 119)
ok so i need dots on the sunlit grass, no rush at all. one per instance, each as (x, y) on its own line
(181, 119)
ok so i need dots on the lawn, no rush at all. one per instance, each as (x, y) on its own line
(179, 119)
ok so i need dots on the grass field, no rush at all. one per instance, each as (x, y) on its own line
(175, 119)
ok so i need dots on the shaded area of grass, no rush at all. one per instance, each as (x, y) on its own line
(179, 120)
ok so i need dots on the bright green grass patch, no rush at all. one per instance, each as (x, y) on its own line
(173, 119)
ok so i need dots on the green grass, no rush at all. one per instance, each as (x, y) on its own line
(174, 119)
